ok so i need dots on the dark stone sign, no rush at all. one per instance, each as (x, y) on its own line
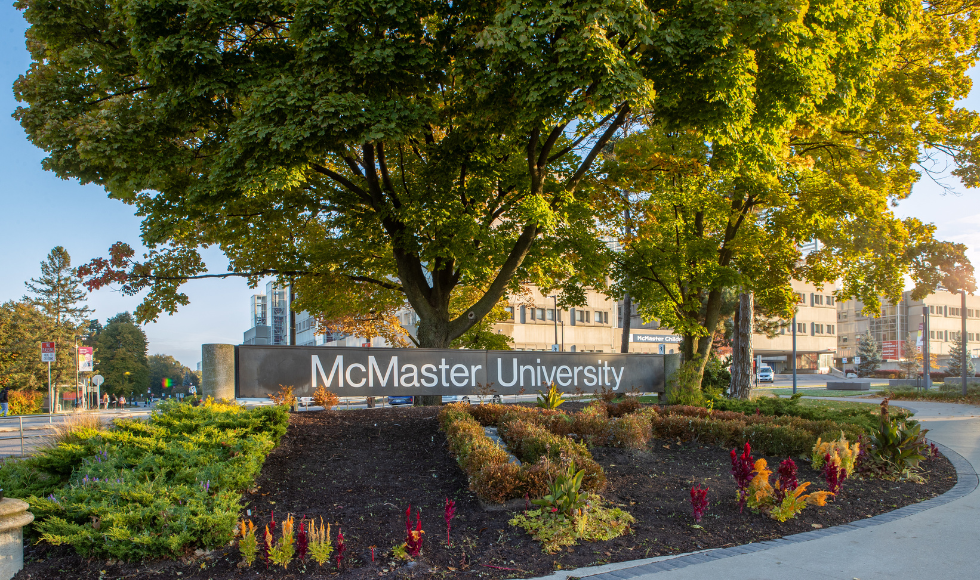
(355, 372)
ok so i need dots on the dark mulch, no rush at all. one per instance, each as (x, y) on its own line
(361, 470)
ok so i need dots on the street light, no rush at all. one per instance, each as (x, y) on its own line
(555, 317)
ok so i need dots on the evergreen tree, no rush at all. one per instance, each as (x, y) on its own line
(121, 349)
(911, 357)
(870, 352)
(61, 304)
(57, 291)
(953, 367)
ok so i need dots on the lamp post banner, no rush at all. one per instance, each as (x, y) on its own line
(353, 372)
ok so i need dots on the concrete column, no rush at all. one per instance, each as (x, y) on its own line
(218, 371)
(13, 517)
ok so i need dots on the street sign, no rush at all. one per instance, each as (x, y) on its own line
(857, 360)
(843, 360)
(85, 363)
(47, 352)
(97, 380)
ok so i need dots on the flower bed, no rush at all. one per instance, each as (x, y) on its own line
(360, 470)
(156, 488)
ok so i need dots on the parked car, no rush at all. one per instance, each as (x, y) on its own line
(445, 399)
(765, 375)
(851, 375)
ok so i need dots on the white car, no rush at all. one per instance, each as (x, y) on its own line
(766, 375)
(851, 375)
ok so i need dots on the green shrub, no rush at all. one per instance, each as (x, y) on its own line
(148, 489)
(895, 448)
(866, 419)
(684, 386)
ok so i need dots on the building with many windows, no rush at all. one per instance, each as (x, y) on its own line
(896, 321)
(535, 324)
(816, 334)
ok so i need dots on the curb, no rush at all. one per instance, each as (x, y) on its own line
(966, 482)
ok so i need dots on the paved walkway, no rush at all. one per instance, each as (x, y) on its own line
(935, 539)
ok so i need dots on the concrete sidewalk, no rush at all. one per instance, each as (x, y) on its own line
(932, 539)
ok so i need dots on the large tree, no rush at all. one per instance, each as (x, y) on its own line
(58, 298)
(418, 147)
(167, 367)
(717, 213)
(121, 356)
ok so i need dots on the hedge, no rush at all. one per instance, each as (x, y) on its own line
(492, 477)
(148, 489)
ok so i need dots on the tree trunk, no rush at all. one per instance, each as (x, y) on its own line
(741, 385)
(432, 334)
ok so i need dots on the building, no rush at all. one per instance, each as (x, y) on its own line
(270, 317)
(816, 334)
(535, 324)
(896, 321)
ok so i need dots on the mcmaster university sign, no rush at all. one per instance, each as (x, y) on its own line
(353, 372)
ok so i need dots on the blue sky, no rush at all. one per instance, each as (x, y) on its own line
(41, 211)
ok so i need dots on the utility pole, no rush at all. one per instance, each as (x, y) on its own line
(555, 297)
(926, 361)
(965, 352)
(794, 354)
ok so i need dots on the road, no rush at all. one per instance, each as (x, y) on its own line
(37, 428)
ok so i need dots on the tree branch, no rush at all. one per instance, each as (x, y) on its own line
(624, 110)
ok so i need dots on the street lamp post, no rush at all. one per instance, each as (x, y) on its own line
(965, 351)
(555, 297)
(794, 354)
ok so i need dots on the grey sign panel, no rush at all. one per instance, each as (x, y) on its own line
(353, 372)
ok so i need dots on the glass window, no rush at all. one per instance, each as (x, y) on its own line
(550, 314)
(540, 313)
(510, 312)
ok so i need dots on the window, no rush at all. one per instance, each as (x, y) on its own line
(843, 339)
(830, 300)
(801, 297)
(830, 329)
(550, 314)
(816, 299)
(510, 312)
(800, 328)
(932, 334)
(602, 317)
(582, 315)
(932, 310)
(954, 311)
(539, 313)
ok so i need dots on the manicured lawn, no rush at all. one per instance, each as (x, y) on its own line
(822, 392)
(835, 405)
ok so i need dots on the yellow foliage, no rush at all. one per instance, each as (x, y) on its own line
(818, 498)
(324, 398)
(760, 491)
(842, 453)
(762, 495)
(285, 396)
